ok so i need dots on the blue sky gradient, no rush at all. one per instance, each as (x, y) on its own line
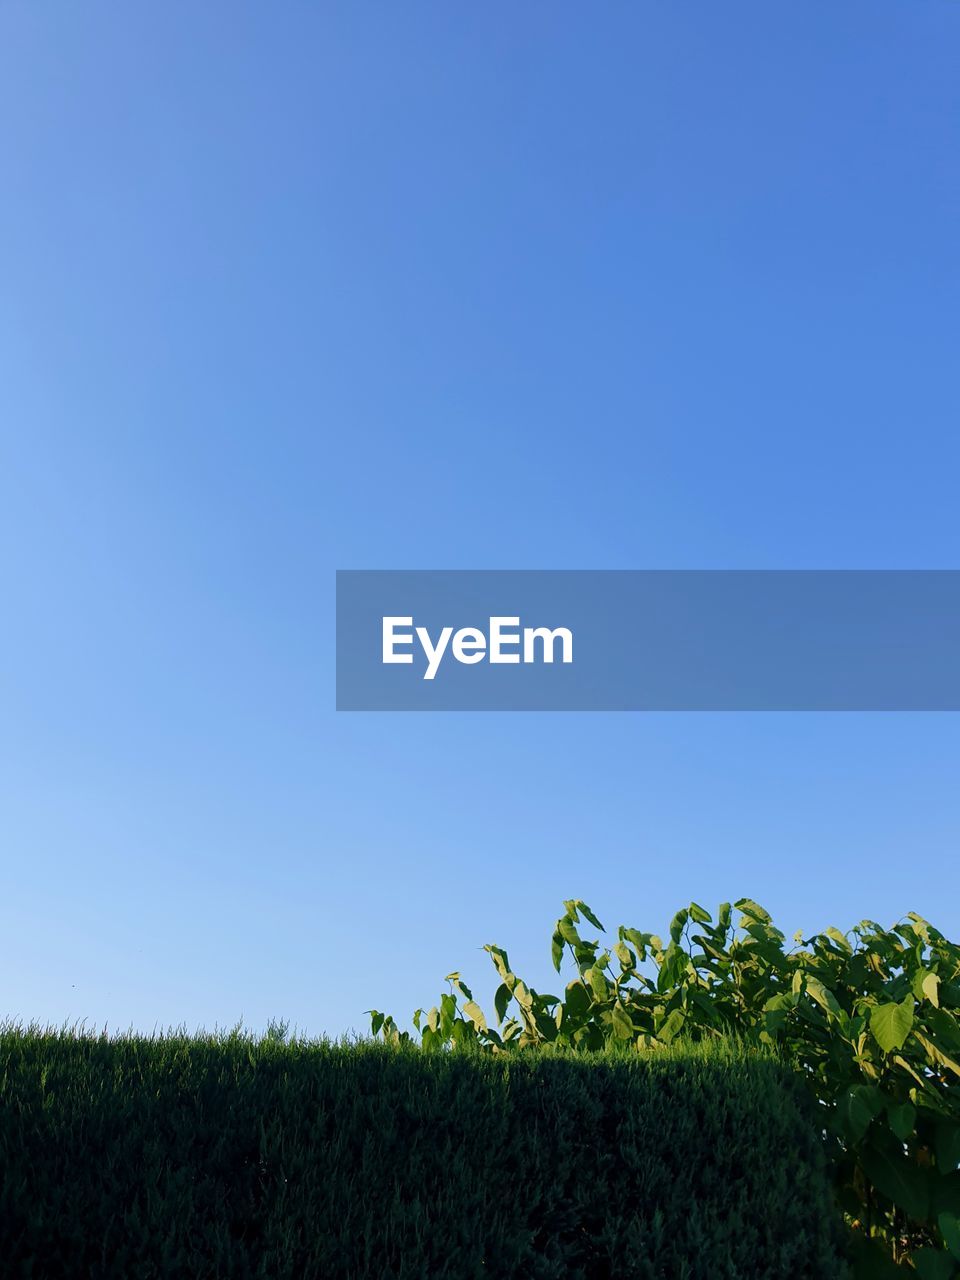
(300, 287)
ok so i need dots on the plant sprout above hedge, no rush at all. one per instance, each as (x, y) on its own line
(868, 1018)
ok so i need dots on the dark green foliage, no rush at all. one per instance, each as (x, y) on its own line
(228, 1157)
(870, 1021)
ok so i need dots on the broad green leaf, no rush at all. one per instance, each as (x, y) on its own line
(945, 1027)
(931, 989)
(946, 1144)
(589, 915)
(622, 1024)
(706, 1006)
(925, 1085)
(671, 1026)
(949, 1225)
(556, 949)
(501, 1001)
(782, 1000)
(475, 1014)
(598, 983)
(839, 938)
(448, 1011)
(945, 1194)
(640, 940)
(871, 1261)
(774, 1020)
(578, 1000)
(673, 967)
(900, 1179)
(764, 943)
(713, 952)
(856, 1109)
(677, 924)
(921, 926)
(903, 1118)
(462, 1031)
(930, 1264)
(936, 1054)
(823, 996)
(499, 958)
(891, 1024)
(568, 931)
(698, 914)
(546, 1024)
(523, 995)
(926, 986)
(753, 910)
(431, 1039)
(624, 955)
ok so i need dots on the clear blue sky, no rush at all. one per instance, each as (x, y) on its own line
(293, 287)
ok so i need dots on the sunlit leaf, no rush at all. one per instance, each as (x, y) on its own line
(891, 1023)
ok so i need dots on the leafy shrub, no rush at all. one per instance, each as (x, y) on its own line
(141, 1158)
(867, 1018)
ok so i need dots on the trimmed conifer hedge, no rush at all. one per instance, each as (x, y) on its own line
(232, 1157)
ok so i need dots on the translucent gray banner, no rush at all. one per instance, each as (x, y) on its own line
(648, 640)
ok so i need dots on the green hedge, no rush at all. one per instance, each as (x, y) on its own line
(190, 1157)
